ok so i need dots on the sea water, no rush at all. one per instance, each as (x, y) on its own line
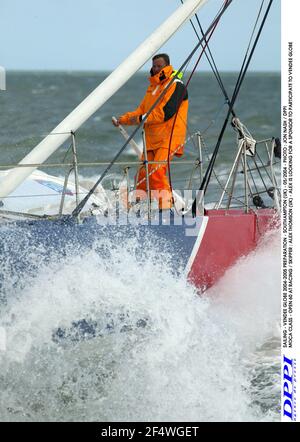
(209, 358)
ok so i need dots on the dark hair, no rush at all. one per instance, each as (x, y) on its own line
(164, 56)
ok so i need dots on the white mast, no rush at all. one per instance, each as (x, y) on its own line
(100, 95)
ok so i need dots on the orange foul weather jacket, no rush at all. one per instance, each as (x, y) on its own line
(165, 128)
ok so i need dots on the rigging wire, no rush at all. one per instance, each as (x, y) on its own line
(210, 59)
(214, 70)
(239, 83)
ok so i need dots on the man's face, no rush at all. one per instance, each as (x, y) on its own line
(157, 65)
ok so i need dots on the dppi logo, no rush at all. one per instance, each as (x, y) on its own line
(2, 79)
(288, 388)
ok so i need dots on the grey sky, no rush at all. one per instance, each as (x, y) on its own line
(100, 34)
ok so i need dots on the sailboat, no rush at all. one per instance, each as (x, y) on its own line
(54, 212)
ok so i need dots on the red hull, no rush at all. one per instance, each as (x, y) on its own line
(229, 235)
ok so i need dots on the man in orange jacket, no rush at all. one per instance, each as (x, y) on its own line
(165, 128)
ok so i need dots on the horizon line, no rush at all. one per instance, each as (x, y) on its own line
(140, 71)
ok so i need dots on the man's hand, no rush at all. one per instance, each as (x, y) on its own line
(132, 121)
(116, 121)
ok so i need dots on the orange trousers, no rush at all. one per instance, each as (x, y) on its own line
(158, 180)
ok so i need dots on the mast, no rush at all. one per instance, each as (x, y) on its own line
(99, 96)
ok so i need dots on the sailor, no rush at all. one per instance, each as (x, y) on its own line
(165, 128)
